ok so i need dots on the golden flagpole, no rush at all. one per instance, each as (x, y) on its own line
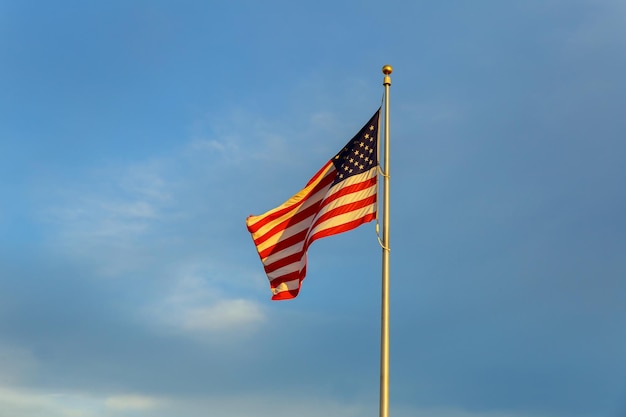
(384, 321)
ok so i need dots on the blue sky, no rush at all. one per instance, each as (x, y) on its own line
(135, 138)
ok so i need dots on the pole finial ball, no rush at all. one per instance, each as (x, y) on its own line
(387, 69)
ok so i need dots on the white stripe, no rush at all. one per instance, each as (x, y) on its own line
(311, 200)
(295, 199)
(287, 233)
(349, 199)
(294, 229)
(345, 200)
(293, 267)
(343, 219)
(295, 248)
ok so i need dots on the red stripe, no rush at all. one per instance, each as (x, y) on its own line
(286, 295)
(282, 262)
(312, 208)
(321, 234)
(341, 228)
(292, 276)
(349, 189)
(293, 241)
(291, 221)
(264, 219)
(346, 208)
(297, 238)
(283, 244)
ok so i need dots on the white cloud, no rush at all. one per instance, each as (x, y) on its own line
(108, 217)
(211, 145)
(223, 315)
(24, 402)
(120, 202)
(237, 138)
(283, 404)
(119, 208)
(40, 403)
(16, 364)
(130, 402)
(197, 304)
(288, 404)
(141, 220)
(459, 412)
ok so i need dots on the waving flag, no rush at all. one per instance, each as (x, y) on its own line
(340, 197)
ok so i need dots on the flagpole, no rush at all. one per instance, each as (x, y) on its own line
(384, 320)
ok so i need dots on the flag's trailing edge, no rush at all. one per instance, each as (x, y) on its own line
(340, 197)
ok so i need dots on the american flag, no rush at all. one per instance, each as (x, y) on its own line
(340, 197)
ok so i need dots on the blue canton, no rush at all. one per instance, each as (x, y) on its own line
(360, 154)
